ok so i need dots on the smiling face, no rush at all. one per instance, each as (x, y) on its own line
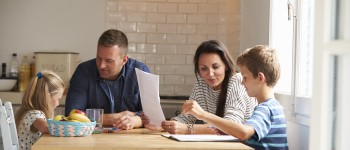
(211, 69)
(109, 61)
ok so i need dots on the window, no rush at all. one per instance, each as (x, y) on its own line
(304, 61)
(292, 36)
(281, 31)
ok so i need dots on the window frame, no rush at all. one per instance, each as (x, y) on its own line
(329, 106)
(296, 105)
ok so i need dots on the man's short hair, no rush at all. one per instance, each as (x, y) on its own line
(113, 37)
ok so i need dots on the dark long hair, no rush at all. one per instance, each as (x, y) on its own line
(214, 46)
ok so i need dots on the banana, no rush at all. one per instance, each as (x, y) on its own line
(58, 118)
(64, 118)
(74, 121)
(79, 117)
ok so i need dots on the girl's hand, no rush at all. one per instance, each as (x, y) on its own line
(193, 108)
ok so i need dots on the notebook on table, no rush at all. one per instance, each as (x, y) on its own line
(201, 138)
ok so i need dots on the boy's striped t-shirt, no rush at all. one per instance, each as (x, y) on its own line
(268, 121)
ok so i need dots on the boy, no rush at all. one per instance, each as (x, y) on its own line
(266, 128)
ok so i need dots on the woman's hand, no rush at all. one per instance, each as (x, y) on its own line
(174, 127)
(193, 108)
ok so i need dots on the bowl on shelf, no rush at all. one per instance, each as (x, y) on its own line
(7, 84)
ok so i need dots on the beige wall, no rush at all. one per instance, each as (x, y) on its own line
(165, 34)
(65, 25)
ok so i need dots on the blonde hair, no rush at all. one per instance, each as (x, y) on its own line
(37, 96)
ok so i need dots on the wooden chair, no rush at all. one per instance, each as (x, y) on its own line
(8, 136)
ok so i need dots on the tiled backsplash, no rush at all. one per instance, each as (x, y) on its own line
(165, 34)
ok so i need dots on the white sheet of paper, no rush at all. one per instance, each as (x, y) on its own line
(149, 92)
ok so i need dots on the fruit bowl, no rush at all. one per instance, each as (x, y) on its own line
(67, 128)
(7, 84)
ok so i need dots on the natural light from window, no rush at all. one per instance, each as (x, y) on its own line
(282, 40)
(292, 30)
(304, 76)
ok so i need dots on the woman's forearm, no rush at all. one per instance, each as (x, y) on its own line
(203, 129)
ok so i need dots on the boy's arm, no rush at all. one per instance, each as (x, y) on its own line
(238, 130)
(241, 131)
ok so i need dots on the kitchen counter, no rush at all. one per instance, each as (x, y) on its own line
(13, 97)
(16, 97)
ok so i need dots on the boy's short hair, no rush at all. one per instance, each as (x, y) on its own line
(261, 58)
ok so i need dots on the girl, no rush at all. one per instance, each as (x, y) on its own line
(38, 103)
(218, 90)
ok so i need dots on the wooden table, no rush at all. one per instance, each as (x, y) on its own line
(128, 139)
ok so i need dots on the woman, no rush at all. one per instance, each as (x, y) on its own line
(218, 90)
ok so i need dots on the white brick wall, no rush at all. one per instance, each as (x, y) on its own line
(166, 33)
(116, 16)
(175, 59)
(164, 69)
(147, 7)
(127, 26)
(176, 38)
(146, 48)
(176, 18)
(188, 8)
(137, 17)
(197, 18)
(167, 7)
(127, 6)
(156, 18)
(155, 58)
(174, 79)
(156, 38)
(166, 28)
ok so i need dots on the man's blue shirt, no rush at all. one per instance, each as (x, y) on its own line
(88, 90)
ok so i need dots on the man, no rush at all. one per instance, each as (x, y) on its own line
(108, 82)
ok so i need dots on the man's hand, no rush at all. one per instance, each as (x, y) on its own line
(146, 123)
(124, 120)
